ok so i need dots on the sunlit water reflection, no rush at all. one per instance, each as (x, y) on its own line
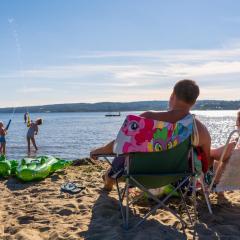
(73, 135)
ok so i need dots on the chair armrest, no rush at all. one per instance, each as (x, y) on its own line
(105, 155)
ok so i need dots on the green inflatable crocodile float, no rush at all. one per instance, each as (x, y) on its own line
(30, 169)
(7, 167)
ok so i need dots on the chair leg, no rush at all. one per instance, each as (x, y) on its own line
(120, 202)
(194, 199)
(136, 198)
(185, 206)
(206, 196)
(127, 203)
(123, 192)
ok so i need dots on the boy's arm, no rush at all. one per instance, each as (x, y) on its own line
(204, 140)
(106, 149)
(3, 131)
(168, 116)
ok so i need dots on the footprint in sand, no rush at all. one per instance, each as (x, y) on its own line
(44, 229)
(71, 205)
(66, 212)
(25, 219)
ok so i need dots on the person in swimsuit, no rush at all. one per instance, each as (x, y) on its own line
(32, 131)
(25, 117)
(3, 133)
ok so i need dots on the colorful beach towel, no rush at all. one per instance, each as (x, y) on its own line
(139, 134)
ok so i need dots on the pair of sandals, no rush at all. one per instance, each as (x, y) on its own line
(71, 187)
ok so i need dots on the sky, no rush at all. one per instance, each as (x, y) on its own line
(68, 51)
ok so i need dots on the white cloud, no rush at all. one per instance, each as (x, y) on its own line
(231, 50)
(233, 43)
(146, 65)
(213, 93)
(134, 75)
(34, 90)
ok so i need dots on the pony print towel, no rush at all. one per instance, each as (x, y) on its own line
(139, 134)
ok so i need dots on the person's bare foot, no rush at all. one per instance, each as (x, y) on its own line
(93, 154)
(221, 199)
(108, 185)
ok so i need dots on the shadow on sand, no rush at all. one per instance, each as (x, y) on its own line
(106, 223)
(15, 184)
(222, 224)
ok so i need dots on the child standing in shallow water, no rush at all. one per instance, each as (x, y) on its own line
(32, 131)
(3, 133)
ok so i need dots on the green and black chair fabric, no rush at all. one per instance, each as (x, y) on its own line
(154, 170)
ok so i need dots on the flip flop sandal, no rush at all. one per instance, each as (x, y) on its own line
(71, 187)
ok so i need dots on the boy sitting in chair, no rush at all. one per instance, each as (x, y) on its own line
(182, 99)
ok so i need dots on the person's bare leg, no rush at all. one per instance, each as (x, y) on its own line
(220, 169)
(4, 148)
(28, 142)
(216, 153)
(220, 166)
(108, 182)
(34, 143)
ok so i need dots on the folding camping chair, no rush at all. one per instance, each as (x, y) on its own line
(149, 170)
(229, 179)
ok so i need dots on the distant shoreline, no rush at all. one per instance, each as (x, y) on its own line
(103, 112)
(121, 106)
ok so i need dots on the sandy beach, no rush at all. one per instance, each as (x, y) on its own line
(40, 210)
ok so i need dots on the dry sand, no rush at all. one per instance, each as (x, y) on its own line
(41, 211)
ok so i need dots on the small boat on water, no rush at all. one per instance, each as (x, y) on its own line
(113, 114)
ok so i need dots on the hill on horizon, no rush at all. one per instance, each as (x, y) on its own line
(122, 106)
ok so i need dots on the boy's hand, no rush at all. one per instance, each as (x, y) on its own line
(92, 155)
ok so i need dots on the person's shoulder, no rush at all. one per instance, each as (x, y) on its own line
(199, 123)
(171, 116)
(202, 129)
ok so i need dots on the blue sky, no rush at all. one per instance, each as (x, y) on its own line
(63, 51)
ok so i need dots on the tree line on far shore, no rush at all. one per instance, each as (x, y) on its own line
(123, 106)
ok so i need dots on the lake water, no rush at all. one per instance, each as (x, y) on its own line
(73, 135)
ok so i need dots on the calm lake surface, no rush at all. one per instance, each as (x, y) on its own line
(73, 135)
